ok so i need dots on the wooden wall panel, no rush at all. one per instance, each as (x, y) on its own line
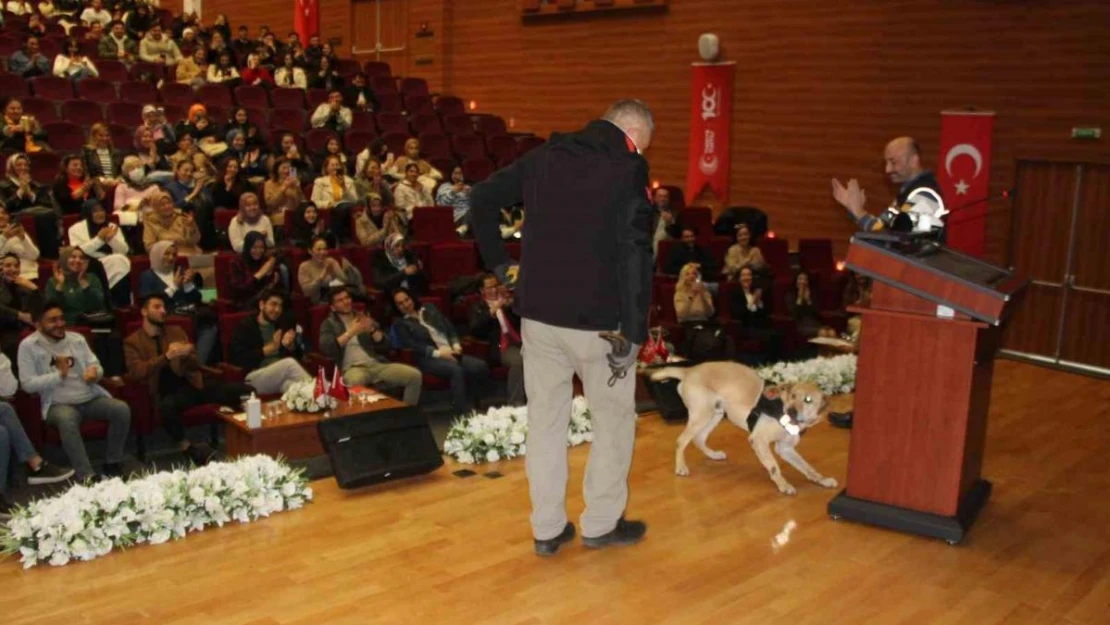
(820, 87)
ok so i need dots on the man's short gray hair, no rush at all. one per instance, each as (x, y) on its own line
(627, 113)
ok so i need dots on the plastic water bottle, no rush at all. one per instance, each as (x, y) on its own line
(254, 412)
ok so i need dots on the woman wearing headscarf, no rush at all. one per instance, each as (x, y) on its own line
(253, 271)
(198, 125)
(133, 191)
(23, 196)
(104, 244)
(181, 288)
(249, 219)
(321, 272)
(166, 223)
(307, 224)
(428, 175)
(240, 120)
(251, 158)
(154, 120)
(15, 240)
(397, 266)
(377, 222)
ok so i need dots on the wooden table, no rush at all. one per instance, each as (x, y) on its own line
(290, 434)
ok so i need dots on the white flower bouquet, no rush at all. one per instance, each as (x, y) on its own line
(833, 375)
(501, 432)
(87, 522)
(299, 398)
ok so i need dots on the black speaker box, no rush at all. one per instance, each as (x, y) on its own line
(665, 392)
(379, 446)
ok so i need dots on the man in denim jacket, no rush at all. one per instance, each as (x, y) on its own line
(63, 371)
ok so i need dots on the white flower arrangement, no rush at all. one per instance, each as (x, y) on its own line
(833, 375)
(298, 398)
(87, 522)
(500, 433)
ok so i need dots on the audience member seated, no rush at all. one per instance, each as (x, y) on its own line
(22, 133)
(29, 61)
(133, 193)
(267, 347)
(200, 126)
(117, 46)
(154, 120)
(428, 176)
(409, 194)
(242, 44)
(73, 187)
(229, 185)
(301, 163)
(321, 272)
(161, 356)
(857, 292)
(35, 25)
(59, 367)
(255, 74)
(358, 94)
(180, 289)
(104, 244)
(703, 338)
(156, 47)
(690, 252)
(249, 219)
(193, 69)
(13, 438)
(742, 254)
(289, 75)
(223, 71)
(79, 291)
(397, 267)
(20, 297)
(166, 223)
(802, 308)
(71, 64)
(313, 51)
(19, 7)
(376, 223)
(666, 227)
(336, 190)
(15, 240)
(306, 226)
(96, 14)
(332, 114)
(456, 194)
(281, 191)
(435, 345)
(360, 348)
(102, 159)
(95, 32)
(334, 148)
(140, 21)
(255, 270)
(369, 180)
(324, 76)
(378, 150)
(748, 306)
(240, 120)
(492, 320)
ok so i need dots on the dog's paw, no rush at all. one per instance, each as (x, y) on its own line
(827, 482)
(682, 471)
(787, 489)
(715, 454)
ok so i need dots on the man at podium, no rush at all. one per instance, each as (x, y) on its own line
(918, 206)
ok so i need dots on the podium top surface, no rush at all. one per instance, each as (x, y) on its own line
(936, 273)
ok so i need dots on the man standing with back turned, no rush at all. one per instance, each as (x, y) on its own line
(585, 269)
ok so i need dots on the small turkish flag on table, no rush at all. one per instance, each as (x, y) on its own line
(964, 176)
(305, 20)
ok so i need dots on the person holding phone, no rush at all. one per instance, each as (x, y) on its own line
(282, 191)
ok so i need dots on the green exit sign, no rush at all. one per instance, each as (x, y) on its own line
(1086, 133)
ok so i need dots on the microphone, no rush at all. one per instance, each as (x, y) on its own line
(955, 219)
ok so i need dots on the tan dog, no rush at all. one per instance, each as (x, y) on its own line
(713, 390)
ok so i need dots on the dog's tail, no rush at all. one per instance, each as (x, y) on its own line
(675, 373)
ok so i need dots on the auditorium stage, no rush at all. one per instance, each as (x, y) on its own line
(441, 549)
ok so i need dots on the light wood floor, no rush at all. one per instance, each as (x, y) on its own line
(446, 550)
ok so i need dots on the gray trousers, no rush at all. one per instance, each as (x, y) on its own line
(68, 418)
(388, 375)
(552, 355)
(276, 378)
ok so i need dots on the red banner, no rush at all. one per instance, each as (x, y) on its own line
(305, 19)
(964, 176)
(710, 124)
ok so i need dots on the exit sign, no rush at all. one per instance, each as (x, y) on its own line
(1086, 133)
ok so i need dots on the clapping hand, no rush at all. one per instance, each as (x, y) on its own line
(91, 372)
(107, 232)
(59, 275)
(288, 338)
(178, 349)
(62, 364)
(411, 270)
(851, 197)
(179, 277)
(188, 277)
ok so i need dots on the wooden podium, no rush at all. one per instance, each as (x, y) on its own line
(923, 383)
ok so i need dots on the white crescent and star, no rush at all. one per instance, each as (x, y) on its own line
(962, 149)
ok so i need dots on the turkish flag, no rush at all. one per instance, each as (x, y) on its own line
(964, 176)
(305, 19)
(338, 388)
(321, 385)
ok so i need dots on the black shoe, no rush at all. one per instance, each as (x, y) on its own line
(6, 508)
(48, 474)
(841, 419)
(550, 546)
(113, 469)
(625, 533)
(199, 453)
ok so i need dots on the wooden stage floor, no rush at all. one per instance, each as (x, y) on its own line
(441, 549)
